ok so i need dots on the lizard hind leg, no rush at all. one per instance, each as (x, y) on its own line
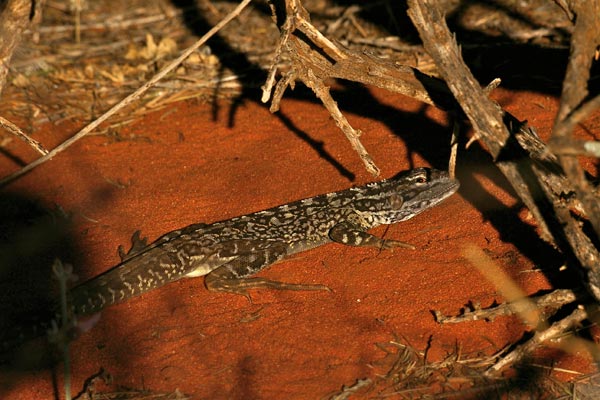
(234, 277)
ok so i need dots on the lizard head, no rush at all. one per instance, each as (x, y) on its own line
(405, 195)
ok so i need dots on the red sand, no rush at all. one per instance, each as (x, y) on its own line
(189, 168)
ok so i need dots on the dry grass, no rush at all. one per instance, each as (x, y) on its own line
(55, 79)
(408, 374)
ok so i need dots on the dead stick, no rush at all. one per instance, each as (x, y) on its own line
(585, 40)
(352, 134)
(129, 99)
(485, 117)
(540, 337)
(554, 300)
(15, 130)
(483, 114)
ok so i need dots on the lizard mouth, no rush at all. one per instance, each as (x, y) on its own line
(427, 189)
(439, 189)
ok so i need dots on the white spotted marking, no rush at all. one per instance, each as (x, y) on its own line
(113, 294)
(200, 271)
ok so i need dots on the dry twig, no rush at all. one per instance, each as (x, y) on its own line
(315, 59)
(15, 130)
(540, 337)
(538, 180)
(553, 300)
(485, 116)
(297, 20)
(585, 41)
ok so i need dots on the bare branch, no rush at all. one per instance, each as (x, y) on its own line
(540, 337)
(538, 180)
(584, 42)
(487, 119)
(15, 130)
(554, 300)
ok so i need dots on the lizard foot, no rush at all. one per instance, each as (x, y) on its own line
(137, 245)
(240, 286)
(390, 244)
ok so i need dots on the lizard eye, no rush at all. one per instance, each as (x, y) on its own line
(421, 179)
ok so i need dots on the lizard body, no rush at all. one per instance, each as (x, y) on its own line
(228, 253)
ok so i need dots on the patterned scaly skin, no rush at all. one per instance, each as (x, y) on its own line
(230, 252)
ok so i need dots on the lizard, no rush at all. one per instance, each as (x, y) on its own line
(229, 253)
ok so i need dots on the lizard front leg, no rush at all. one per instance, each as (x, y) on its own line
(354, 235)
(235, 275)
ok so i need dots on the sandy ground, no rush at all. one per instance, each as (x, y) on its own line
(188, 164)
